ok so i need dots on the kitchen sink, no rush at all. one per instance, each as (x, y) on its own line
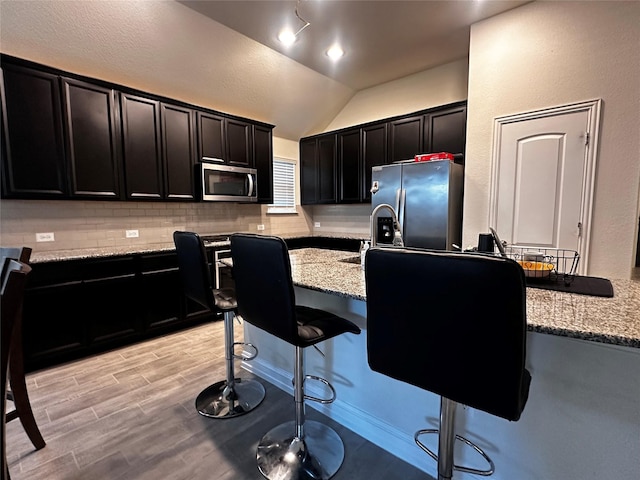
(351, 260)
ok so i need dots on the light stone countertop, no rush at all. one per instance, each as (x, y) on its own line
(614, 320)
(608, 320)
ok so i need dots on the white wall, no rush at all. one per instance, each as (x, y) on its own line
(545, 54)
(430, 88)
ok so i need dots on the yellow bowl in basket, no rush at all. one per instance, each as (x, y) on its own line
(536, 269)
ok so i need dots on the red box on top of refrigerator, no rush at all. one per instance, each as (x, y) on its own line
(426, 157)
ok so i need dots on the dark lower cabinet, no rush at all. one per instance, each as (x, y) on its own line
(76, 308)
(160, 290)
(54, 323)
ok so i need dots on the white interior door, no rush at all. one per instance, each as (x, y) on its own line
(542, 184)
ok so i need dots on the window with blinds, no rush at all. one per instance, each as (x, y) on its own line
(284, 186)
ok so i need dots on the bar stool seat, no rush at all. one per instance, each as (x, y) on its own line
(297, 449)
(460, 322)
(232, 396)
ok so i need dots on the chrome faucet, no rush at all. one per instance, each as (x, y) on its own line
(397, 234)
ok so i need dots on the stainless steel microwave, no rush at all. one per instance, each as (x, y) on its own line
(224, 183)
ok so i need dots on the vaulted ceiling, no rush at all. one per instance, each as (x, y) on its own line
(382, 40)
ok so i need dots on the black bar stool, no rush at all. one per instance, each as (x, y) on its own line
(14, 277)
(232, 396)
(297, 449)
(460, 322)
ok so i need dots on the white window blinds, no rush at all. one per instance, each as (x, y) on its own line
(284, 186)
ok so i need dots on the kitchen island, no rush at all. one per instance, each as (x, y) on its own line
(582, 419)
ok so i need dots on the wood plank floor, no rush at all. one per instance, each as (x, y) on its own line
(129, 414)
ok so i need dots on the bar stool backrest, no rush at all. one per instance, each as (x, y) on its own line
(264, 288)
(195, 272)
(450, 323)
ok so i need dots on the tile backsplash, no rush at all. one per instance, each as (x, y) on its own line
(89, 224)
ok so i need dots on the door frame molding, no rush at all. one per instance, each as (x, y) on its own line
(593, 109)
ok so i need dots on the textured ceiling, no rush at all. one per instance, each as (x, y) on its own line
(383, 40)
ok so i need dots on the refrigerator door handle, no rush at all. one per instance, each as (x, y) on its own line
(401, 209)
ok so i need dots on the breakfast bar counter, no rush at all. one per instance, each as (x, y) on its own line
(608, 320)
(582, 417)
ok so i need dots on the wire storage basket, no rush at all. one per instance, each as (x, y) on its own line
(554, 265)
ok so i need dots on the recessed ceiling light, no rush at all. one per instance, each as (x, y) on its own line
(335, 52)
(287, 37)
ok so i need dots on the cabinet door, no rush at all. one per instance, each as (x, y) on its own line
(178, 152)
(327, 169)
(263, 157)
(141, 147)
(374, 152)
(92, 151)
(308, 171)
(161, 294)
(405, 138)
(104, 281)
(211, 145)
(239, 141)
(349, 166)
(33, 163)
(445, 131)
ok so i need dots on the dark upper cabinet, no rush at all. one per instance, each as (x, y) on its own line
(318, 170)
(308, 171)
(225, 140)
(360, 148)
(405, 138)
(91, 140)
(239, 142)
(327, 169)
(178, 152)
(141, 147)
(33, 156)
(445, 131)
(211, 145)
(263, 158)
(68, 136)
(374, 152)
(349, 169)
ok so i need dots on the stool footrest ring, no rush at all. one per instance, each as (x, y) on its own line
(248, 357)
(460, 468)
(324, 401)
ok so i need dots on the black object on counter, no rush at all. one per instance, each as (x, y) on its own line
(598, 287)
(485, 242)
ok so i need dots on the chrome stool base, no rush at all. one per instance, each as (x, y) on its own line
(221, 401)
(283, 456)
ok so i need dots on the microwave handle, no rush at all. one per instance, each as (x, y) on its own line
(251, 185)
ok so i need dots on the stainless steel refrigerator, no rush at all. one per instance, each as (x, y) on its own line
(427, 198)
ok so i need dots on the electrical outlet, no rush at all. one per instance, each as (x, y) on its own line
(45, 237)
(131, 233)
(261, 227)
(316, 225)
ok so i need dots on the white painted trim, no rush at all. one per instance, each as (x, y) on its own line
(593, 107)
